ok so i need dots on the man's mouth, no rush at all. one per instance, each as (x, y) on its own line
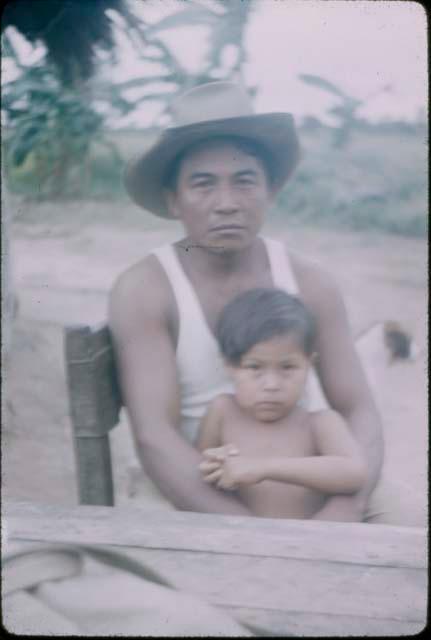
(228, 227)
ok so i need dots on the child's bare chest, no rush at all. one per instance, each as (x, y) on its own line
(270, 498)
(288, 438)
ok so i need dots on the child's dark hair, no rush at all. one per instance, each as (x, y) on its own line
(260, 314)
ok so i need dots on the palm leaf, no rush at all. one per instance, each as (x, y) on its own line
(70, 30)
(184, 18)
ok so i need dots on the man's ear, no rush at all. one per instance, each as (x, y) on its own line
(272, 192)
(170, 200)
(314, 358)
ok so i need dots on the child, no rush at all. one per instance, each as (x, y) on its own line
(283, 460)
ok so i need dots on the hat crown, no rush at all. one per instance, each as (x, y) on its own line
(212, 101)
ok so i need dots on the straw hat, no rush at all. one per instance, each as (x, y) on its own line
(208, 110)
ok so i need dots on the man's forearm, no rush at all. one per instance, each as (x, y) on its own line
(174, 470)
(365, 425)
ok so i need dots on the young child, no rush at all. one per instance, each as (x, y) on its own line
(283, 460)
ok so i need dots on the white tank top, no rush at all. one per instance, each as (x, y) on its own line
(201, 372)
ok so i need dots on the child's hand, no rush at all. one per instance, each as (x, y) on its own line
(237, 471)
(211, 467)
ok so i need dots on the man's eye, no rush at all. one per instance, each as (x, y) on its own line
(202, 185)
(253, 366)
(245, 181)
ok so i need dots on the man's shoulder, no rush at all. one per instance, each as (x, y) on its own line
(142, 291)
(144, 276)
(316, 284)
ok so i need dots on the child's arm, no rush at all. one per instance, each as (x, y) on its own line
(339, 467)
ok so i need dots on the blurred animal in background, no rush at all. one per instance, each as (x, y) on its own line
(382, 345)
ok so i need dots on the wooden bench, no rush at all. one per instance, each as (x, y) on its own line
(290, 577)
(94, 403)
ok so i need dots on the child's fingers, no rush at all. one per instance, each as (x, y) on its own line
(214, 476)
(220, 453)
(214, 454)
(226, 484)
(207, 466)
(232, 450)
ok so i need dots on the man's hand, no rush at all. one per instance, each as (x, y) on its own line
(341, 509)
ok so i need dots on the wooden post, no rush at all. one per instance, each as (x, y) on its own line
(95, 404)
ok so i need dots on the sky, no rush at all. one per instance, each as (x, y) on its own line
(360, 46)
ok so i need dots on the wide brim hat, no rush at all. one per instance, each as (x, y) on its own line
(211, 110)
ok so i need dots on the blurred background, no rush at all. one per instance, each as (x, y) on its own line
(77, 102)
(86, 85)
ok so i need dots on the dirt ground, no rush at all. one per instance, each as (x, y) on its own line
(66, 257)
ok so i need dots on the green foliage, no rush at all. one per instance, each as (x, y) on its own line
(55, 145)
(377, 181)
(52, 131)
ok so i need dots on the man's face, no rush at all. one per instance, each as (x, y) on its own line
(221, 197)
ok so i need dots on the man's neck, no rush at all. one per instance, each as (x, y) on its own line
(218, 262)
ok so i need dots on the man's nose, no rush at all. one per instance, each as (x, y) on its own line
(225, 200)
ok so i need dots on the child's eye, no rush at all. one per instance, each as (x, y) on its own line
(253, 366)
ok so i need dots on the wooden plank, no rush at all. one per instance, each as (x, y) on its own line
(315, 597)
(275, 584)
(291, 590)
(365, 544)
(284, 623)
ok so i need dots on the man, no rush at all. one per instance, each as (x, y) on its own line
(217, 171)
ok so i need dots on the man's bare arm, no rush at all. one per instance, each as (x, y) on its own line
(146, 360)
(209, 430)
(343, 381)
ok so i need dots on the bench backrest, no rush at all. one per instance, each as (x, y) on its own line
(95, 403)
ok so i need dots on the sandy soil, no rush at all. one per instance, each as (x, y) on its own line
(66, 256)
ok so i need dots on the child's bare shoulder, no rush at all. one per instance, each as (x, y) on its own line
(326, 418)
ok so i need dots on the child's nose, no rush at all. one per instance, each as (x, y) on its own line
(271, 381)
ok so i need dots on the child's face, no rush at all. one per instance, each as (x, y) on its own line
(270, 378)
